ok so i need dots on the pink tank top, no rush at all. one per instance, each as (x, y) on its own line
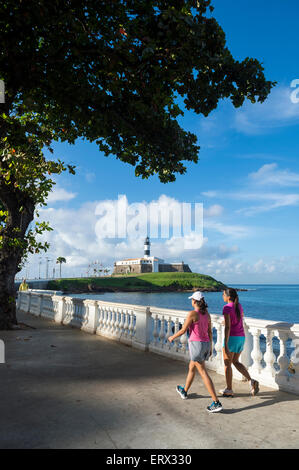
(199, 331)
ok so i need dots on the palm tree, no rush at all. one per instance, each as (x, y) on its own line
(59, 261)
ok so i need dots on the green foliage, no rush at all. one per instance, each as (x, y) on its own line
(111, 73)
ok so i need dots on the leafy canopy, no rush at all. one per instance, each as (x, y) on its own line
(112, 72)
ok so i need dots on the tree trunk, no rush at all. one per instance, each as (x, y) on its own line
(8, 270)
(12, 251)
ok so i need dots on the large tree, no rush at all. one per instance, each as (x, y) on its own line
(111, 72)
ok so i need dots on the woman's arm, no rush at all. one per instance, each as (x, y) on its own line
(184, 328)
(226, 332)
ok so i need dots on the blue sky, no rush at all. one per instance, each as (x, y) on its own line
(247, 177)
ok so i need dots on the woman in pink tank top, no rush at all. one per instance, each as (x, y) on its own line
(234, 340)
(200, 348)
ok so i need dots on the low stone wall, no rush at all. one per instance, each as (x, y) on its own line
(271, 351)
(174, 268)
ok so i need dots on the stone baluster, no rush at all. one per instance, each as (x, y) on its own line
(156, 330)
(169, 332)
(122, 322)
(67, 317)
(177, 340)
(103, 314)
(282, 360)
(101, 319)
(107, 319)
(184, 341)
(107, 310)
(256, 353)
(72, 309)
(218, 358)
(109, 323)
(293, 382)
(131, 329)
(113, 321)
(135, 325)
(117, 322)
(126, 327)
(269, 357)
(162, 332)
(246, 353)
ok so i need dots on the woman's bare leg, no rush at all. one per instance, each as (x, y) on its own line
(190, 376)
(240, 367)
(228, 358)
(206, 379)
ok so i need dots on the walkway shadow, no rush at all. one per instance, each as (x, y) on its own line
(268, 398)
(194, 396)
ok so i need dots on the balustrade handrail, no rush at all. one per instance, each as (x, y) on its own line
(249, 321)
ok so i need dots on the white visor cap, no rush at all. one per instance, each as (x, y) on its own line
(196, 295)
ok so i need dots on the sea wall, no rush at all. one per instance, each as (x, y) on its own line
(271, 351)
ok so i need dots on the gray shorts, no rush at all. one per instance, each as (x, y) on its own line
(199, 351)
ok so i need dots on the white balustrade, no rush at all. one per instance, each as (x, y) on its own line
(168, 333)
(256, 354)
(216, 361)
(269, 371)
(163, 329)
(91, 316)
(282, 360)
(148, 328)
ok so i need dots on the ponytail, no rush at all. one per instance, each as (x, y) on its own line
(202, 305)
(233, 295)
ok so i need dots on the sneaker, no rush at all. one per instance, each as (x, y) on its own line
(215, 407)
(181, 391)
(226, 392)
(254, 387)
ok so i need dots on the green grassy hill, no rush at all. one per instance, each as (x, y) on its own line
(139, 282)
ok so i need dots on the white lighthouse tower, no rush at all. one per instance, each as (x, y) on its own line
(147, 249)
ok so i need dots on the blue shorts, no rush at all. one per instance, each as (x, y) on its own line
(236, 344)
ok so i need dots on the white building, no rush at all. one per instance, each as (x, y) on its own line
(148, 264)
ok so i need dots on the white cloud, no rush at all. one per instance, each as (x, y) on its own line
(257, 189)
(60, 194)
(232, 231)
(213, 211)
(277, 111)
(75, 237)
(273, 201)
(269, 174)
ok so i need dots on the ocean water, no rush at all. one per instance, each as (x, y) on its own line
(263, 301)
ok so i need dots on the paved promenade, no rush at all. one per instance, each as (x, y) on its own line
(63, 388)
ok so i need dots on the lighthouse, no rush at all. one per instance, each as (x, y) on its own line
(148, 264)
(147, 247)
